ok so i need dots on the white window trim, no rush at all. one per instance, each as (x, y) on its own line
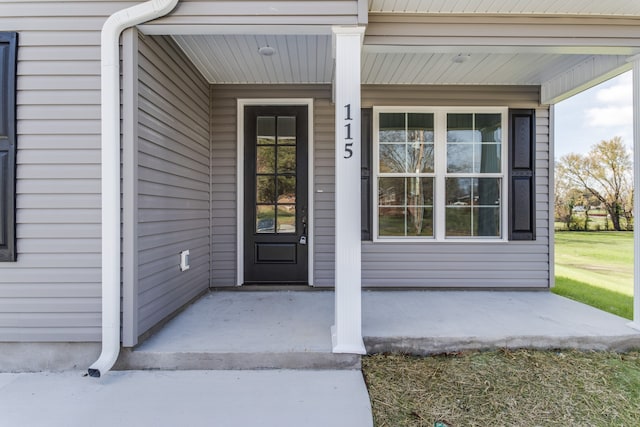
(439, 202)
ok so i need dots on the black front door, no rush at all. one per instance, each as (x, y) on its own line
(275, 201)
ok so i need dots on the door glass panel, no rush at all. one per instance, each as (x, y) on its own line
(286, 130)
(276, 183)
(265, 218)
(266, 159)
(266, 130)
(286, 189)
(286, 159)
(286, 219)
(265, 189)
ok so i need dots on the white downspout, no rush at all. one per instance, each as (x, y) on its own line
(110, 100)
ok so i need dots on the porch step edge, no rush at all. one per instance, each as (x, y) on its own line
(142, 360)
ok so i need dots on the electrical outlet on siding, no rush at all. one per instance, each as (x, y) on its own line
(184, 260)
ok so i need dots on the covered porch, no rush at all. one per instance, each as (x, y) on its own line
(290, 329)
(188, 75)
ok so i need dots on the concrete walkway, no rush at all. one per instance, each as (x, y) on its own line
(279, 398)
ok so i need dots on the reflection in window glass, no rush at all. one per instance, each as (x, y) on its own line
(286, 130)
(266, 130)
(468, 149)
(275, 174)
(473, 143)
(265, 162)
(286, 219)
(406, 206)
(473, 207)
(265, 218)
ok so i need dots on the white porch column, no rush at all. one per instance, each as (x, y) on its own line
(346, 333)
(636, 194)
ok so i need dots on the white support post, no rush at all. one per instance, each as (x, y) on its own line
(347, 331)
(636, 195)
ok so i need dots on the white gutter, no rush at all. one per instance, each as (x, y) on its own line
(110, 100)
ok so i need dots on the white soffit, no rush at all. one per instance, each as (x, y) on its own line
(516, 7)
(229, 59)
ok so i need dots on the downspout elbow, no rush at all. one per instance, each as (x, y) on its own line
(110, 150)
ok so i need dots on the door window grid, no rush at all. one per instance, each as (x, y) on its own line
(276, 175)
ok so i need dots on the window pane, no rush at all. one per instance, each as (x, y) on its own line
(460, 158)
(265, 219)
(392, 127)
(487, 158)
(487, 222)
(420, 158)
(490, 127)
(286, 189)
(458, 220)
(265, 159)
(392, 158)
(458, 191)
(391, 192)
(473, 207)
(487, 191)
(265, 189)
(286, 219)
(419, 191)
(460, 128)
(391, 221)
(266, 130)
(419, 221)
(286, 130)
(420, 127)
(286, 159)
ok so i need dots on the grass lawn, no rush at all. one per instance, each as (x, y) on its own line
(525, 387)
(514, 388)
(596, 268)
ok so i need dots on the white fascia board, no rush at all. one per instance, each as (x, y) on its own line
(583, 76)
(200, 29)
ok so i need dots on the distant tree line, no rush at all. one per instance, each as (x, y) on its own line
(600, 179)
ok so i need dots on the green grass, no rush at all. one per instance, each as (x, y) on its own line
(596, 269)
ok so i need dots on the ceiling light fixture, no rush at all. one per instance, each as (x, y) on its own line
(266, 50)
(460, 58)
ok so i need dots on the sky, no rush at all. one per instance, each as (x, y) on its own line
(597, 114)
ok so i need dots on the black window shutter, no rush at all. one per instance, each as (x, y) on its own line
(366, 166)
(8, 61)
(522, 186)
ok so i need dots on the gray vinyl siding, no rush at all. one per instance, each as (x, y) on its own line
(446, 264)
(52, 292)
(466, 265)
(224, 171)
(173, 180)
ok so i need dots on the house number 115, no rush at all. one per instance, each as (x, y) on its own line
(348, 140)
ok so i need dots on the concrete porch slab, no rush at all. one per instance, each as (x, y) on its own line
(186, 398)
(427, 322)
(246, 330)
(291, 329)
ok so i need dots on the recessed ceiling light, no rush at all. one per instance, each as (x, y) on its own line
(460, 58)
(266, 50)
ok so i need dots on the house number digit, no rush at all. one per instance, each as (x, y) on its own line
(348, 152)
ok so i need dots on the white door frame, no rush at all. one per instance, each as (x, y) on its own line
(308, 102)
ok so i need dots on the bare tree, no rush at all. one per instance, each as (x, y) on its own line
(606, 173)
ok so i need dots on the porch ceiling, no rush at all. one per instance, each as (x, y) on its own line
(234, 59)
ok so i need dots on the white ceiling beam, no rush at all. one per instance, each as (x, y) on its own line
(583, 76)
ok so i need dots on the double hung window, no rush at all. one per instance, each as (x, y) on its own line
(439, 173)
